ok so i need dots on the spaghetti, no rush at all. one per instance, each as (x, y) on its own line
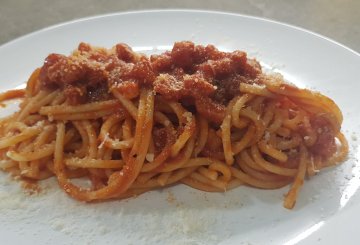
(195, 115)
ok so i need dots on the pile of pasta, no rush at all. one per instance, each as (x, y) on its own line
(194, 115)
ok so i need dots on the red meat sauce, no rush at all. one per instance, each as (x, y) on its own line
(200, 77)
(197, 75)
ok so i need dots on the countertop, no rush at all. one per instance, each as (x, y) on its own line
(336, 19)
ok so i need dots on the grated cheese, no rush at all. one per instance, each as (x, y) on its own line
(150, 157)
(103, 142)
(109, 222)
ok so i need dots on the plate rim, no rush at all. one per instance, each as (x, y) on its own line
(177, 10)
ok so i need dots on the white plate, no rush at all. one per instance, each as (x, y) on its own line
(328, 208)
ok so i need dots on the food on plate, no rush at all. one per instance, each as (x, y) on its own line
(195, 115)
